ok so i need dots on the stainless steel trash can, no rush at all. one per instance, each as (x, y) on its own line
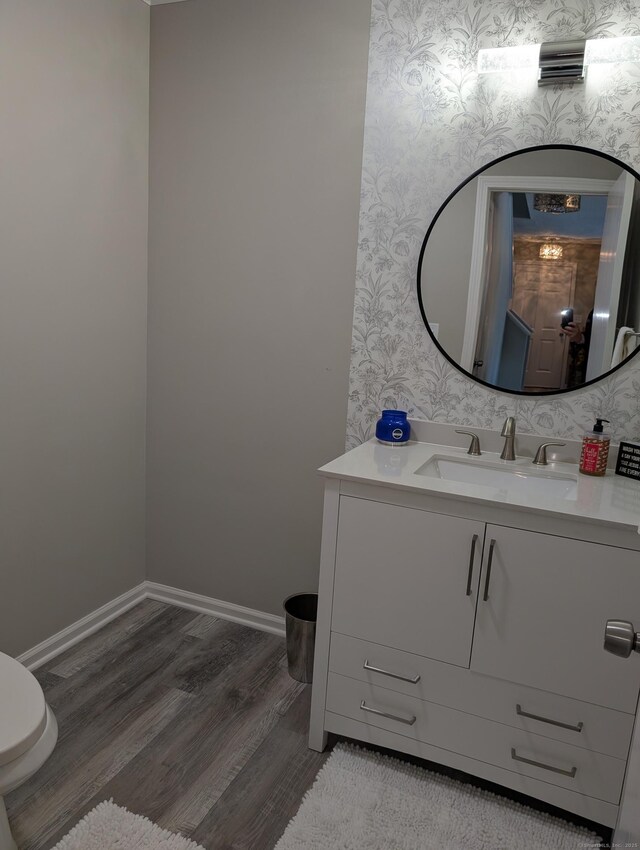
(300, 614)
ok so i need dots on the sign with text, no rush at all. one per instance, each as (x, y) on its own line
(628, 462)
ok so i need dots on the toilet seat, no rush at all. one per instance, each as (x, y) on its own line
(23, 710)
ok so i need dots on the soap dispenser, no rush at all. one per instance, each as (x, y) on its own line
(595, 450)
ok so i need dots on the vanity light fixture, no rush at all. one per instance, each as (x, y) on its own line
(559, 61)
(551, 251)
(549, 202)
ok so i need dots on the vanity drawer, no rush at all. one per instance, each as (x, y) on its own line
(516, 750)
(590, 726)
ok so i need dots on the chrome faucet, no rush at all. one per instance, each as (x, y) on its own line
(509, 434)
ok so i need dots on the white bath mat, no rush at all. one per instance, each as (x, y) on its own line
(366, 801)
(110, 827)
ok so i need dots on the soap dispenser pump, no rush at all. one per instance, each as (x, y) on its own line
(595, 450)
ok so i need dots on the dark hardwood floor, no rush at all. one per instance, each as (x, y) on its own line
(191, 721)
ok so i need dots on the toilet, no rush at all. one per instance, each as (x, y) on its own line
(28, 734)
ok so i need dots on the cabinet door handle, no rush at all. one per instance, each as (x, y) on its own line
(523, 713)
(413, 679)
(408, 720)
(474, 540)
(488, 578)
(570, 773)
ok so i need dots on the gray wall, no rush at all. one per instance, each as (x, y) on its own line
(257, 113)
(73, 235)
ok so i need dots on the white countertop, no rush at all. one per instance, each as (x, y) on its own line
(609, 500)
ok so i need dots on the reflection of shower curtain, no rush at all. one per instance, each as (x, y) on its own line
(629, 305)
(498, 286)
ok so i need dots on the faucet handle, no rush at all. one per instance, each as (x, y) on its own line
(474, 448)
(509, 427)
(541, 455)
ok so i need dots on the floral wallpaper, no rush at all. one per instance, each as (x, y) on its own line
(430, 122)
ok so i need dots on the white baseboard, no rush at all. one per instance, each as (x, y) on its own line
(216, 608)
(65, 639)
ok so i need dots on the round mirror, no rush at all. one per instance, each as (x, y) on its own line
(529, 275)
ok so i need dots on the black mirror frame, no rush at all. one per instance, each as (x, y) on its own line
(426, 239)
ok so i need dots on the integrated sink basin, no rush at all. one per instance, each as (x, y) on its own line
(502, 475)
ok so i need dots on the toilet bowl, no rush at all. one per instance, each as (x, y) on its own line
(28, 734)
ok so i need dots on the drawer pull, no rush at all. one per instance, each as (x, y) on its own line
(485, 597)
(474, 540)
(577, 728)
(408, 720)
(570, 773)
(413, 679)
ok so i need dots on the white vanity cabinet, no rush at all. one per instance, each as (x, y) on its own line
(472, 636)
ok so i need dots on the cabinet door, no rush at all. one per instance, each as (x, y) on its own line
(407, 578)
(542, 624)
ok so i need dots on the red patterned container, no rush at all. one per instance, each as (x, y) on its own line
(595, 450)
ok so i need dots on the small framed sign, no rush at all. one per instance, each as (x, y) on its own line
(628, 463)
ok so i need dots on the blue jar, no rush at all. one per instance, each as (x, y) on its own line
(392, 428)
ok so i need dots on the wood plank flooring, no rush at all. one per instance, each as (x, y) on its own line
(189, 720)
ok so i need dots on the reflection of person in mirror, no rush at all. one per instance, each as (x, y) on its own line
(579, 340)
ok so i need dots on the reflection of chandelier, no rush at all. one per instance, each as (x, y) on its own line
(550, 251)
(550, 203)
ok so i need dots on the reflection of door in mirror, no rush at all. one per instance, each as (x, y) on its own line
(499, 270)
(541, 291)
(556, 261)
